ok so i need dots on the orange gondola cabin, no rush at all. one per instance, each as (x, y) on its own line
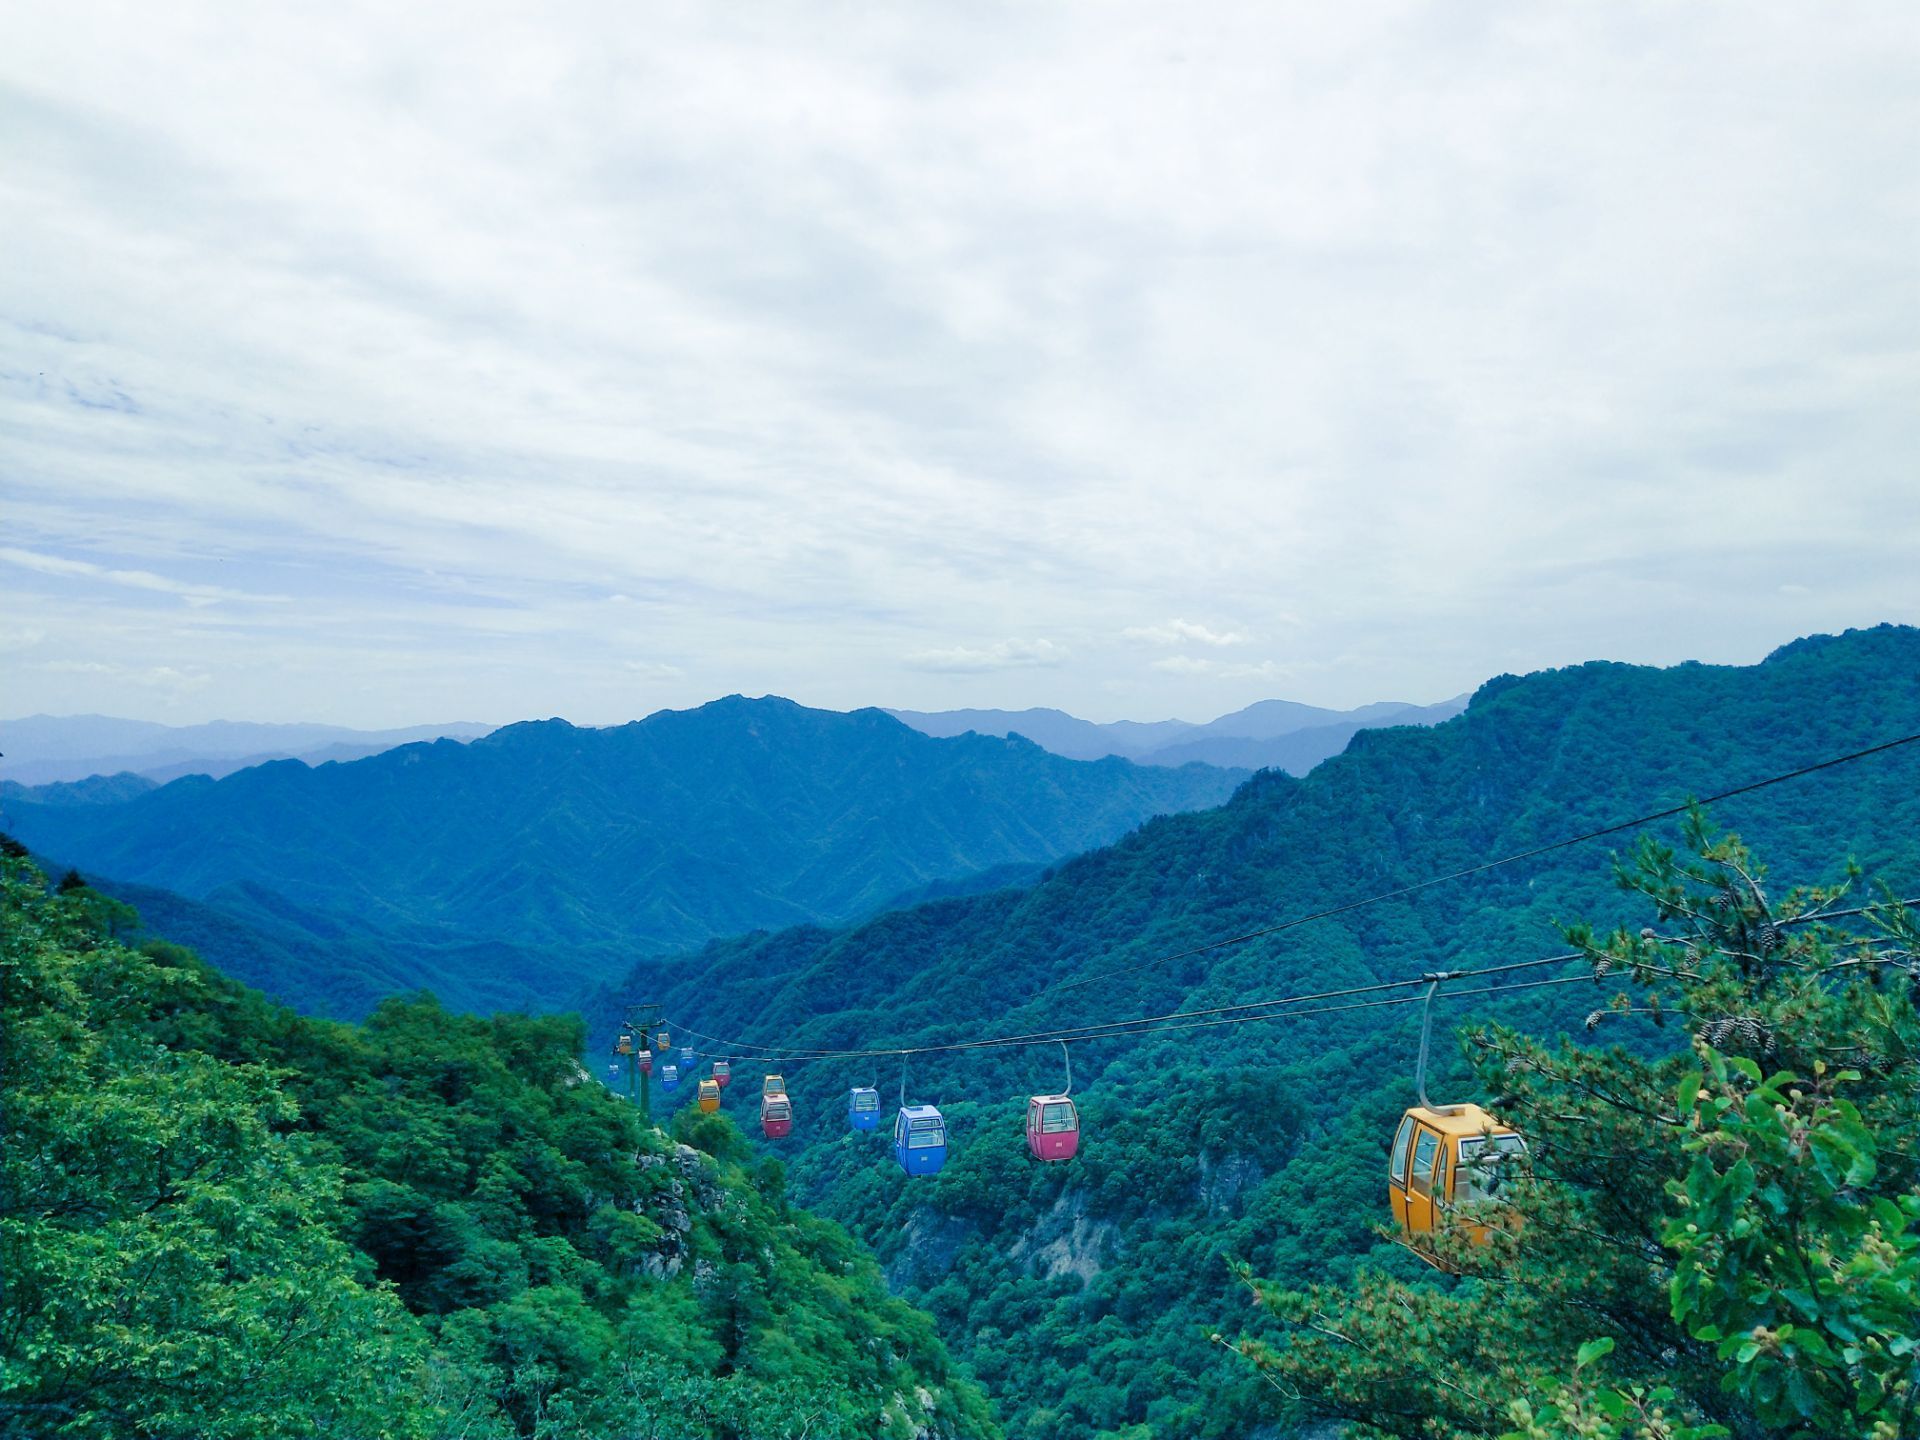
(1445, 1156)
(709, 1096)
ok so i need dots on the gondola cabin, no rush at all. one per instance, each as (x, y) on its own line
(669, 1077)
(1053, 1127)
(776, 1115)
(709, 1096)
(920, 1139)
(773, 1085)
(1444, 1157)
(863, 1108)
(666, 1043)
(722, 1073)
(687, 1060)
(644, 1059)
(625, 1044)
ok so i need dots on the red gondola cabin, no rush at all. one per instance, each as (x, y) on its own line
(1053, 1127)
(776, 1115)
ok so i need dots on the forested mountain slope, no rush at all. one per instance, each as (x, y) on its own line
(224, 1220)
(1085, 1292)
(561, 844)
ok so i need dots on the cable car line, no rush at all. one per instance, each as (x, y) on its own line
(1153, 1024)
(1095, 1030)
(1187, 1020)
(1439, 1154)
(1481, 868)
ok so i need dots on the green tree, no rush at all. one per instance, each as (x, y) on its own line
(170, 1264)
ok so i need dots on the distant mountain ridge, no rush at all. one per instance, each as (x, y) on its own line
(48, 749)
(542, 841)
(1269, 734)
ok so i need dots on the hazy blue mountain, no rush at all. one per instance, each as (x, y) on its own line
(1263, 1142)
(1269, 734)
(43, 749)
(1053, 730)
(1295, 751)
(94, 790)
(740, 815)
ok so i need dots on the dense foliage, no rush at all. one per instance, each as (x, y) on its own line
(224, 1220)
(1085, 1295)
(500, 873)
(1715, 1240)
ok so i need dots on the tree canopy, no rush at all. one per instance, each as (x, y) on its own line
(224, 1220)
(1716, 1229)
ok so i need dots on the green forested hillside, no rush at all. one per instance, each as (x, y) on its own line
(1085, 1294)
(485, 870)
(221, 1219)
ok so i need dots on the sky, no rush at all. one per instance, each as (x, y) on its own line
(379, 364)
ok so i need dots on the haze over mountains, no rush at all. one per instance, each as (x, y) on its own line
(1270, 734)
(514, 869)
(46, 749)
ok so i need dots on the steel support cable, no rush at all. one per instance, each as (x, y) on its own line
(1479, 869)
(1082, 1031)
(1126, 1029)
(1112, 1027)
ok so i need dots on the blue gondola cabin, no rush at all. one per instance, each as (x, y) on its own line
(669, 1077)
(863, 1108)
(920, 1139)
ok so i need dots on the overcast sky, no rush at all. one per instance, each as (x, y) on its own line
(367, 365)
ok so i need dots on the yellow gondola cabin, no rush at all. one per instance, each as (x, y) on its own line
(1445, 1156)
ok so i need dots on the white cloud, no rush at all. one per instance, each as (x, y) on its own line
(1180, 632)
(1195, 666)
(193, 594)
(1186, 665)
(172, 685)
(1002, 655)
(355, 356)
